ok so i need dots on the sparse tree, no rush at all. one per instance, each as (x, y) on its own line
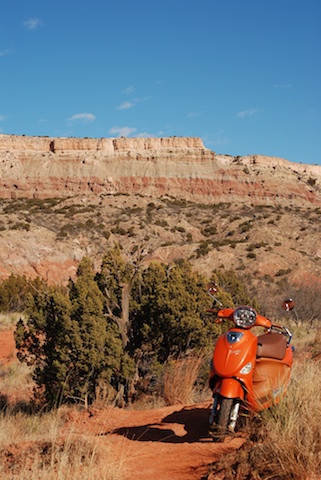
(119, 324)
(69, 340)
(169, 310)
(232, 289)
(116, 280)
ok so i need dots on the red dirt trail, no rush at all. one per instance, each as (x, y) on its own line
(169, 443)
(7, 347)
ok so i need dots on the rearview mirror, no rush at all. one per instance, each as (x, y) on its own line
(212, 288)
(288, 305)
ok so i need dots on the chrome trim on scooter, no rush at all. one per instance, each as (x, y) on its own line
(234, 416)
(289, 335)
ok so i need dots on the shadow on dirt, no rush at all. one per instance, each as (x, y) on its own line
(194, 421)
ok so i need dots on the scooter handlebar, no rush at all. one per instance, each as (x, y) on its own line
(225, 313)
(262, 321)
(259, 322)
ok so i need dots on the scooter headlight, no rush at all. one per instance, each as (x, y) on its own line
(244, 317)
(246, 369)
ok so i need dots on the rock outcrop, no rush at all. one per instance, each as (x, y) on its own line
(65, 198)
(44, 167)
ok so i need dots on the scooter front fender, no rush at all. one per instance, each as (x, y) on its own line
(231, 388)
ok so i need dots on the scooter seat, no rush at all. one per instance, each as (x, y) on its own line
(271, 345)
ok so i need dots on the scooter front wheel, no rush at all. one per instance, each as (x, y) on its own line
(221, 426)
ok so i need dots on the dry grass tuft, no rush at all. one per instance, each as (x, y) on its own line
(15, 376)
(179, 378)
(32, 447)
(8, 321)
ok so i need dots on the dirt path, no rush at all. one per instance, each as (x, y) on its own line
(169, 443)
(7, 347)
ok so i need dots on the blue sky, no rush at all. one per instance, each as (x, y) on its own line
(244, 75)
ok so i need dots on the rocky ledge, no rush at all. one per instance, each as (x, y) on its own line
(44, 167)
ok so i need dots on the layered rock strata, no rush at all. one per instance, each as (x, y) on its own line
(43, 167)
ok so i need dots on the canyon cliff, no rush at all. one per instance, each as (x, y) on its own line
(44, 167)
(65, 198)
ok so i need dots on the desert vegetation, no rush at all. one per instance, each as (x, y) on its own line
(37, 446)
(124, 326)
(126, 329)
(237, 231)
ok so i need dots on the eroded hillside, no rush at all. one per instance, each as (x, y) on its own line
(171, 197)
(49, 237)
(43, 167)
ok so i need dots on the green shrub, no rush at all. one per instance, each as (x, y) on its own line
(246, 226)
(16, 291)
(69, 341)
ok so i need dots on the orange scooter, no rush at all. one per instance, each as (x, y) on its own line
(248, 372)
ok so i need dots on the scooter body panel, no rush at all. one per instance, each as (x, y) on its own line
(234, 349)
(230, 388)
(270, 381)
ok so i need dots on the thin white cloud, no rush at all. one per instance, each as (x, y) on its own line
(250, 112)
(132, 103)
(125, 106)
(82, 117)
(144, 135)
(33, 23)
(3, 53)
(128, 90)
(2, 118)
(193, 115)
(216, 140)
(122, 131)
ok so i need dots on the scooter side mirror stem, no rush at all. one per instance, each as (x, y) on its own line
(288, 333)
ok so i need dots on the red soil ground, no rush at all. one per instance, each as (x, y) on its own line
(7, 347)
(169, 443)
